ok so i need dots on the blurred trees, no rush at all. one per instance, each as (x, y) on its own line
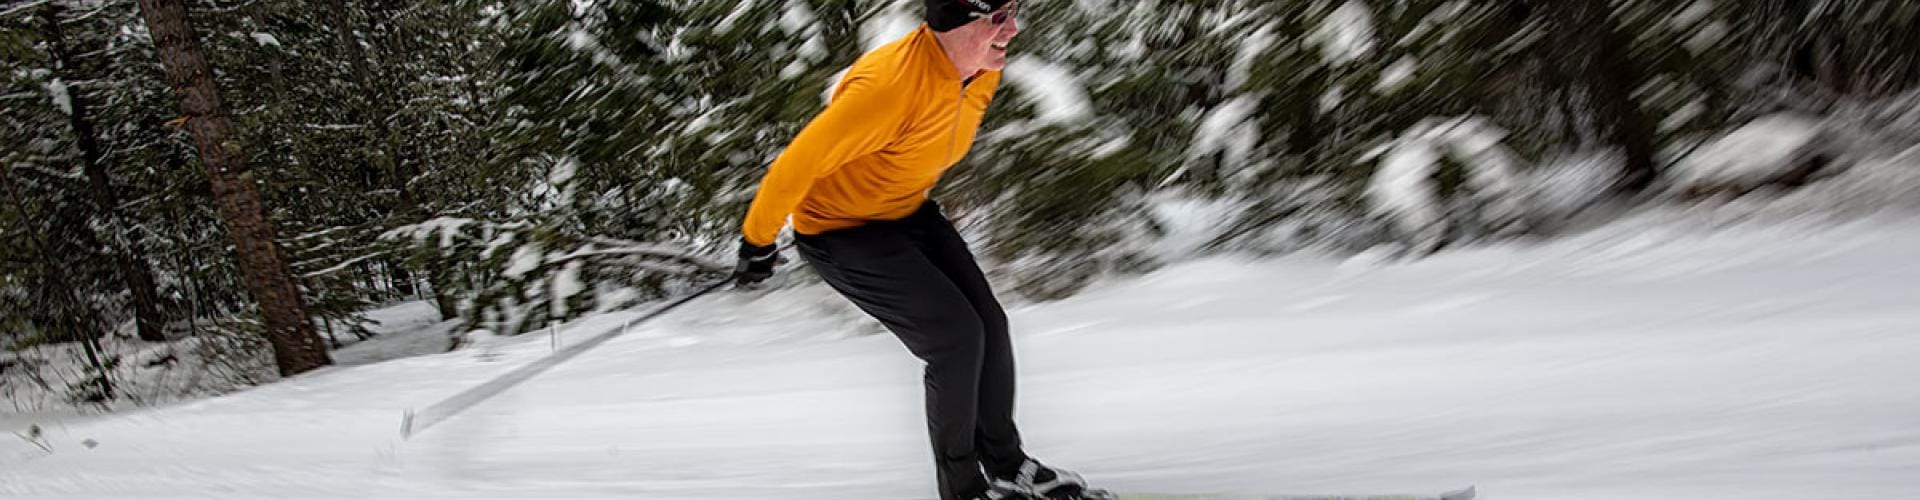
(520, 163)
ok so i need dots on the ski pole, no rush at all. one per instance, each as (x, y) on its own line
(416, 422)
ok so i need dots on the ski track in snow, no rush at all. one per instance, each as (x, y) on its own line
(1751, 363)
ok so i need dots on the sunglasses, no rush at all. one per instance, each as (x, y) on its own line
(999, 16)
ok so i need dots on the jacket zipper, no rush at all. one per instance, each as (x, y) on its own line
(953, 134)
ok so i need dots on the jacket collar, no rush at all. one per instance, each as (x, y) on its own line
(932, 54)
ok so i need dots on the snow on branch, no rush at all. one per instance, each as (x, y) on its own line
(345, 264)
(23, 8)
(615, 246)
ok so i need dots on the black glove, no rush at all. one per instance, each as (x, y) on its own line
(756, 263)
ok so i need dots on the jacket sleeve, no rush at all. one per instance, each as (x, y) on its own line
(863, 117)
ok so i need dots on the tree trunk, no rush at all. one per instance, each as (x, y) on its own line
(403, 283)
(297, 348)
(1582, 37)
(440, 280)
(369, 281)
(356, 55)
(1829, 62)
(331, 338)
(130, 255)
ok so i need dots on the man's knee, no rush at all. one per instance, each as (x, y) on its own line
(952, 336)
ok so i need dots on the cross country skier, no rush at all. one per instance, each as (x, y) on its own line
(855, 181)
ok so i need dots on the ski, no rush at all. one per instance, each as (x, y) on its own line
(1463, 494)
(412, 422)
(1467, 493)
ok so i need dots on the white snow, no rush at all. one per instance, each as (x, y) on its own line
(1683, 115)
(1649, 360)
(814, 48)
(1392, 78)
(264, 39)
(797, 18)
(1879, 182)
(1190, 222)
(1403, 186)
(1131, 50)
(578, 39)
(740, 8)
(159, 373)
(894, 23)
(1230, 130)
(1760, 150)
(558, 191)
(19, 7)
(57, 88)
(344, 264)
(402, 330)
(793, 69)
(1058, 96)
(525, 259)
(1707, 37)
(563, 171)
(1335, 95)
(1493, 168)
(1690, 15)
(496, 241)
(1562, 186)
(565, 284)
(447, 227)
(1346, 35)
(1252, 46)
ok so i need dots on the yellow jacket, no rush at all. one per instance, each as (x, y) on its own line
(900, 117)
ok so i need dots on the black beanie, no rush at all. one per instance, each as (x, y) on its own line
(945, 15)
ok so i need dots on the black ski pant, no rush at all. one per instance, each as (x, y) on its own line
(917, 277)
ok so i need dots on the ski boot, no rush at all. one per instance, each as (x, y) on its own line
(1038, 482)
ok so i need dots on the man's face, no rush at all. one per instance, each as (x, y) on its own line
(982, 43)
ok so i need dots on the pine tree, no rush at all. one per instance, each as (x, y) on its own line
(71, 314)
(130, 254)
(269, 278)
(1592, 56)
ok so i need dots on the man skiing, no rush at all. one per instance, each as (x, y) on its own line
(855, 182)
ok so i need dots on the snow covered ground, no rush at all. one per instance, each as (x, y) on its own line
(402, 330)
(1642, 361)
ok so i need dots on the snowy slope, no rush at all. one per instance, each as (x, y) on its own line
(1639, 361)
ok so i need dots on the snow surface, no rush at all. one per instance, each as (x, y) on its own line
(168, 372)
(1646, 361)
(400, 331)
